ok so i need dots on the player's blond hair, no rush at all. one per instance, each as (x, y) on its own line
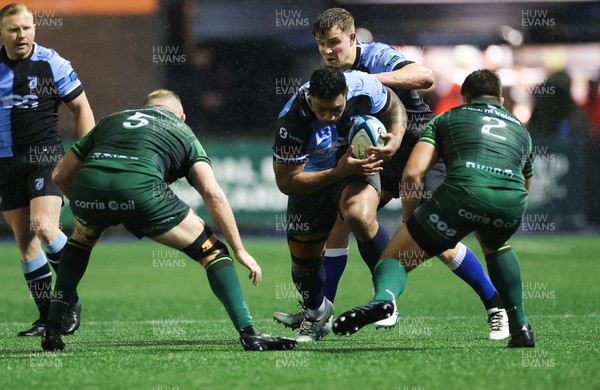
(161, 95)
(333, 17)
(13, 9)
(164, 98)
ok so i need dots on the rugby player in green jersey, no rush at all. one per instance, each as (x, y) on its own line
(488, 155)
(120, 174)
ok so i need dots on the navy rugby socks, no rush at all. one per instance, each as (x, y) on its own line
(371, 250)
(334, 263)
(39, 280)
(309, 277)
(73, 263)
(53, 253)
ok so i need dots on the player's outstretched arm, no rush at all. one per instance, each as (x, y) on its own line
(204, 181)
(64, 172)
(411, 76)
(395, 119)
(422, 158)
(293, 180)
(84, 117)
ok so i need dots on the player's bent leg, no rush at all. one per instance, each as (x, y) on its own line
(358, 206)
(34, 265)
(389, 279)
(44, 218)
(463, 262)
(305, 247)
(198, 241)
(505, 272)
(74, 261)
(308, 276)
(25, 237)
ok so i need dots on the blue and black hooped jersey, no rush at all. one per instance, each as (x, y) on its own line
(31, 91)
(302, 139)
(378, 58)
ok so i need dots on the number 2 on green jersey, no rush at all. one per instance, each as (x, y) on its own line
(495, 123)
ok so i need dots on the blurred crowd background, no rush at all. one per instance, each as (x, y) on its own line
(236, 63)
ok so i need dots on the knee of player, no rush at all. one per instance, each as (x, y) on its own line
(45, 231)
(361, 221)
(206, 247)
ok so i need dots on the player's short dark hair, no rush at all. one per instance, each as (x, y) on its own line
(333, 17)
(12, 9)
(482, 82)
(327, 83)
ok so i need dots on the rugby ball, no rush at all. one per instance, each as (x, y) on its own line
(366, 131)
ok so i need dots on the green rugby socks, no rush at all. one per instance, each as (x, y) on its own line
(225, 284)
(389, 274)
(505, 272)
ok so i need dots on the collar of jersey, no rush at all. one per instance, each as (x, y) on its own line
(4, 55)
(358, 53)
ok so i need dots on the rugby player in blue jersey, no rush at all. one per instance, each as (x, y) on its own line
(34, 81)
(323, 180)
(338, 45)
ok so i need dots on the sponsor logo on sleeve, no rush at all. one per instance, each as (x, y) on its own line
(72, 75)
(392, 58)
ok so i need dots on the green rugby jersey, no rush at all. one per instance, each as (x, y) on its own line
(150, 140)
(483, 145)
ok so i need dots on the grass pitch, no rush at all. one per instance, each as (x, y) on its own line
(150, 321)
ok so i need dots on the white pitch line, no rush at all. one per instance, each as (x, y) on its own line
(180, 321)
